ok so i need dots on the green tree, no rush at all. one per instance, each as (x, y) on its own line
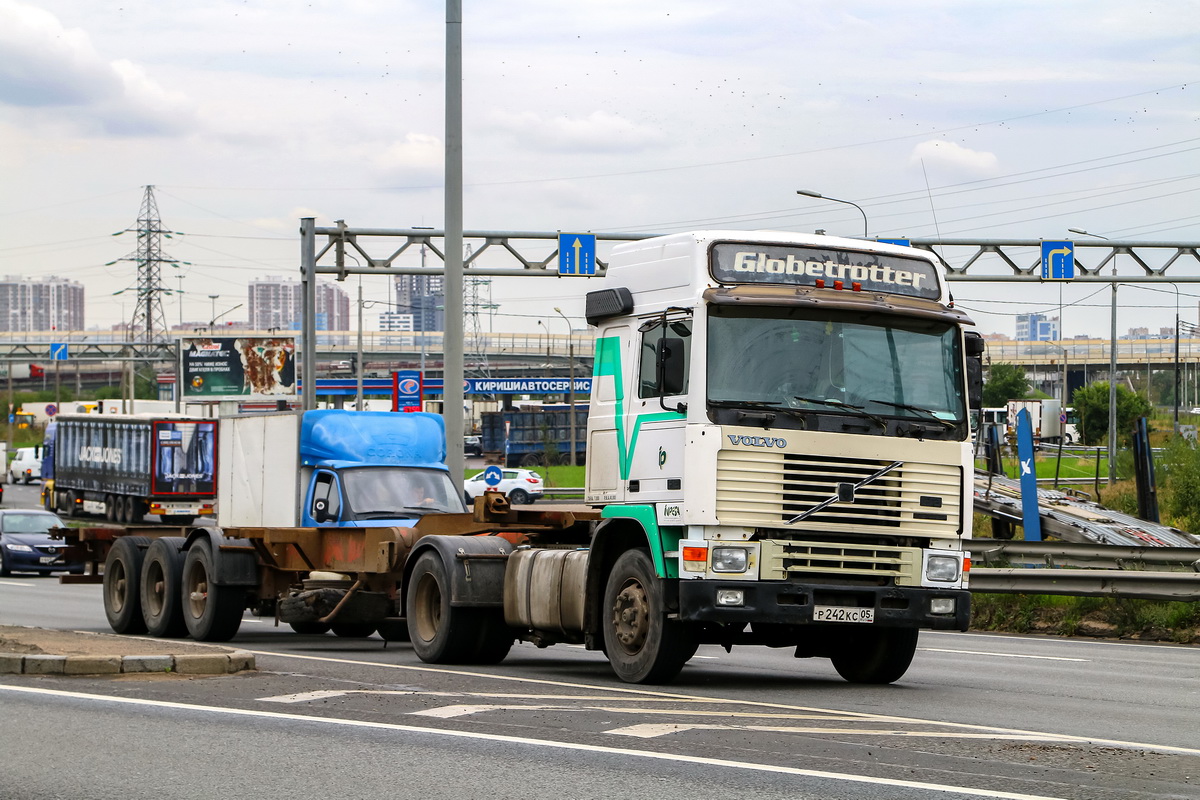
(1004, 382)
(1092, 404)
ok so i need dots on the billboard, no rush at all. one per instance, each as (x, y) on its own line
(226, 366)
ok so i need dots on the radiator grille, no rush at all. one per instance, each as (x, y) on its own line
(784, 559)
(766, 489)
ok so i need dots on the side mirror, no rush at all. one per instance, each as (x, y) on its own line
(670, 357)
(321, 510)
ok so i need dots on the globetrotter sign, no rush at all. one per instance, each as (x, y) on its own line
(741, 262)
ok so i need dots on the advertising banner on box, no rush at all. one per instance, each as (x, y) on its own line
(225, 366)
(185, 457)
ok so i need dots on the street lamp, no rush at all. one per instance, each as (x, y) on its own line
(213, 314)
(819, 196)
(570, 378)
(1112, 369)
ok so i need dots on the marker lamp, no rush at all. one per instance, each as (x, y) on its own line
(695, 559)
(943, 569)
(730, 559)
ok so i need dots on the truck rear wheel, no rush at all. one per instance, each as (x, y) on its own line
(875, 655)
(161, 596)
(440, 633)
(643, 646)
(213, 613)
(122, 585)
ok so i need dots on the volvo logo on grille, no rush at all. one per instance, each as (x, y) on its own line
(757, 441)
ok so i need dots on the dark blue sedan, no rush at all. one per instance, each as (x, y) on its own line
(25, 545)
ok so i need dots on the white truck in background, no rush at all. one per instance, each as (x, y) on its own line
(1050, 421)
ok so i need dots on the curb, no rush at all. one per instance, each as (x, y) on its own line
(201, 664)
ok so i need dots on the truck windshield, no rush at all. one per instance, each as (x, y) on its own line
(391, 492)
(866, 365)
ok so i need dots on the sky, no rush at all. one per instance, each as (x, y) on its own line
(972, 119)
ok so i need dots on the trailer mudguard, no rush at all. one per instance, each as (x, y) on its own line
(234, 561)
(474, 564)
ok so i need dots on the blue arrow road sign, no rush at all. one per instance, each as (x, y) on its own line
(1058, 261)
(58, 351)
(492, 475)
(577, 254)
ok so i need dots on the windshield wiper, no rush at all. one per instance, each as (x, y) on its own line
(908, 407)
(859, 410)
(758, 405)
(400, 512)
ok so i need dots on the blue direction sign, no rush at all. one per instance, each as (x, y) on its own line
(899, 242)
(492, 475)
(577, 254)
(58, 351)
(1058, 261)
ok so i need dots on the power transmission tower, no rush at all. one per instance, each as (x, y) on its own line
(148, 320)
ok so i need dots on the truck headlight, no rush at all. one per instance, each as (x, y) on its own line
(730, 559)
(943, 569)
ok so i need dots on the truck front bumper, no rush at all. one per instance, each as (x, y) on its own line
(789, 603)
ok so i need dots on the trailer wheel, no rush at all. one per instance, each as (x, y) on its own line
(875, 655)
(352, 630)
(213, 613)
(532, 460)
(440, 633)
(162, 599)
(310, 628)
(110, 508)
(643, 646)
(122, 584)
(393, 630)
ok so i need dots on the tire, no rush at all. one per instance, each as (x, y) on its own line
(876, 655)
(440, 633)
(72, 507)
(518, 497)
(310, 628)
(393, 630)
(532, 460)
(161, 595)
(352, 630)
(110, 508)
(213, 613)
(122, 584)
(643, 646)
(4, 570)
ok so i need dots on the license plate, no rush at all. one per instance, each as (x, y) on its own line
(49, 559)
(843, 614)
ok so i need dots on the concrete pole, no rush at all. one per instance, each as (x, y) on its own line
(452, 392)
(308, 338)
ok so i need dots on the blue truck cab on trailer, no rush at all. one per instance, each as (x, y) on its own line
(374, 468)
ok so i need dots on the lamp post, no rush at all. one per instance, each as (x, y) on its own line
(213, 314)
(1112, 369)
(819, 196)
(571, 378)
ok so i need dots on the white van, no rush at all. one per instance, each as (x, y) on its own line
(26, 465)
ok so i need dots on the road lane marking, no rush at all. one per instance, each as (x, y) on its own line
(22, 584)
(646, 694)
(1002, 655)
(651, 730)
(843, 777)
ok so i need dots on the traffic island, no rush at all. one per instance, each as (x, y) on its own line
(41, 651)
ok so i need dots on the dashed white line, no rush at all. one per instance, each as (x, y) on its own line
(1001, 655)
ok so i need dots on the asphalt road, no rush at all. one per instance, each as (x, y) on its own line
(976, 716)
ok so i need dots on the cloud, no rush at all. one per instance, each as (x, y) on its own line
(599, 132)
(955, 158)
(416, 159)
(58, 73)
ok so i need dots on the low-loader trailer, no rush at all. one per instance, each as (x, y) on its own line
(778, 454)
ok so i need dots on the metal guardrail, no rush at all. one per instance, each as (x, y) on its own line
(1084, 554)
(1131, 584)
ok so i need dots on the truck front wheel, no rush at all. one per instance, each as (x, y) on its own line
(643, 646)
(440, 633)
(875, 655)
(213, 613)
(122, 585)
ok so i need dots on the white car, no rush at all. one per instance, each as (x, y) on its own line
(521, 485)
(26, 465)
